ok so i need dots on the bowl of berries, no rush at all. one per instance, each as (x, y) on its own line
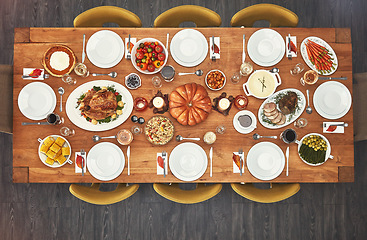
(149, 55)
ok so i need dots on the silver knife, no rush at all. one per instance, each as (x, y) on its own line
(287, 156)
(211, 161)
(333, 78)
(289, 47)
(213, 45)
(83, 53)
(128, 160)
(129, 45)
(243, 48)
(82, 153)
(34, 123)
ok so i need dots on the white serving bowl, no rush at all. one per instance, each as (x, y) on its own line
(224, 83)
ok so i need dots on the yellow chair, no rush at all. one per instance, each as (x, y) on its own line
(201, 16)
(93, 195)
(175, 194)
(97, 16)
(276, 193)
(6, 98)
(277, 16)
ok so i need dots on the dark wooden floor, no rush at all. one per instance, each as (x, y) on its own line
(48, 211)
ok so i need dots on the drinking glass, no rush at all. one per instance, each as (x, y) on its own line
(68, 79)
(220, 129)
(288, 136)
(81, 70)
(136, 129)
(67, 132)
(310, 77)
(168, 73)
(236, 77)
(54, 119)
(297, 69)
(157, 82)
(246, 68)
(300, 123)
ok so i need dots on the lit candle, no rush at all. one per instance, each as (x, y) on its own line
(223, 104)
(158, 102)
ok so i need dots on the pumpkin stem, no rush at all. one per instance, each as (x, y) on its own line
(190, 104)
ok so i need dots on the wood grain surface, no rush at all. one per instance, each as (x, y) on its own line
(143, 163)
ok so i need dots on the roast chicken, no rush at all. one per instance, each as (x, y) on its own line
(98, 105)
(190, 104)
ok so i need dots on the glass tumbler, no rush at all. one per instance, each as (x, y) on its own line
(157, 82)
(297, 69)
(68, 79)
(67, 132)
(81, 70)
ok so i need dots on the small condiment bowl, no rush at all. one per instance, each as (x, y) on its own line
(224, 82)
(129, 77)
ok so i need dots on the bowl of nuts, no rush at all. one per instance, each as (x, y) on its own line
(215, 80)
(133, 81)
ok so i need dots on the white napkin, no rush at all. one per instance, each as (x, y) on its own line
(339, 129)
(217, 42)
(236, 169)
(294, 40)
(77, 168)
(27, 71)
(159, 168)
(132, 42)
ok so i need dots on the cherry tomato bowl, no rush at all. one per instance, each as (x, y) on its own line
(149, 55)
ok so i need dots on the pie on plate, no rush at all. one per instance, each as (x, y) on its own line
(59, 60)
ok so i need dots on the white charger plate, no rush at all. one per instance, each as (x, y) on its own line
(105, 49)
(238, 126)
(189, 47)
(266, 47)
(265, 161)
(74, 114)
(36, 100)
(188, 161)
(106, 161)
(332, 100)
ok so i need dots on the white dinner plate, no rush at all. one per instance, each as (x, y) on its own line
(188, 161)
(265, 161)
(332, 100)
(105, 49)
(290, 118)
(238, 126)
(74, 114)
(324, 44)
(36, 100)
(189, 47)
(266, 47)
(106, 161)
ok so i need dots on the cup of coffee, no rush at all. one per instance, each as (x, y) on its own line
(168, 73)
(310, 77)
(288, 136)
(54, 119)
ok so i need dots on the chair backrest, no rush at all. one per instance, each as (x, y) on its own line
(6, 98)
(201, 16)
(277, 16)
(276, 193)
(98, 16)
(93, 195)
(359, 106)
(175, 194)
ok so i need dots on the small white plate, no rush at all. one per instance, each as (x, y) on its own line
(74, 114)
(105, 49)
(36, 100)
(189, 47)
(106, 161)
(188, 161)
(332, 100)
(238, 126)
(265, 161)
(266, 47)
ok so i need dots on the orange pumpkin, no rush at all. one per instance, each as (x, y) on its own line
(190, 104)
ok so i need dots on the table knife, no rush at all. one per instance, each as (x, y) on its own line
(129, 46)
(34, 123)
(333, 78)
(128, 160)
(83, 53)
(289, 47)
(82, 153)
(287, 156)
(211, 161)
(243, 48)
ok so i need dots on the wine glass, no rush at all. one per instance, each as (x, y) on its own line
(67, 132)
(297, 69)
(66, 78)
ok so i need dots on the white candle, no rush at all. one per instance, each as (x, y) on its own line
(223, 104)
(158, 102)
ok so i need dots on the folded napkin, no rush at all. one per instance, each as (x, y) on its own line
(294, 41)
(39, 72)
(132, 44)
(78, 162)
(159, 164)
(236, 169)
(335, 129)
(216, 47)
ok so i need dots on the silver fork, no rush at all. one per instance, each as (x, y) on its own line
(82, 152)
(213, 56)
(164, 154)
(289, 48)
(240, 151)
(128, 55)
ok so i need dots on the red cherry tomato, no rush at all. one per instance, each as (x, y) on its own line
(158, 48)
(151, 68)
(161, 56)
(139, 55)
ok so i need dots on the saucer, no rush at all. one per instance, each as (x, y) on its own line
(241, 129)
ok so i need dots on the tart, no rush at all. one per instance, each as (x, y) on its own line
(59, 60)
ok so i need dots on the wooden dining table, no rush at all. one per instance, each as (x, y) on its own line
(31, 43)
